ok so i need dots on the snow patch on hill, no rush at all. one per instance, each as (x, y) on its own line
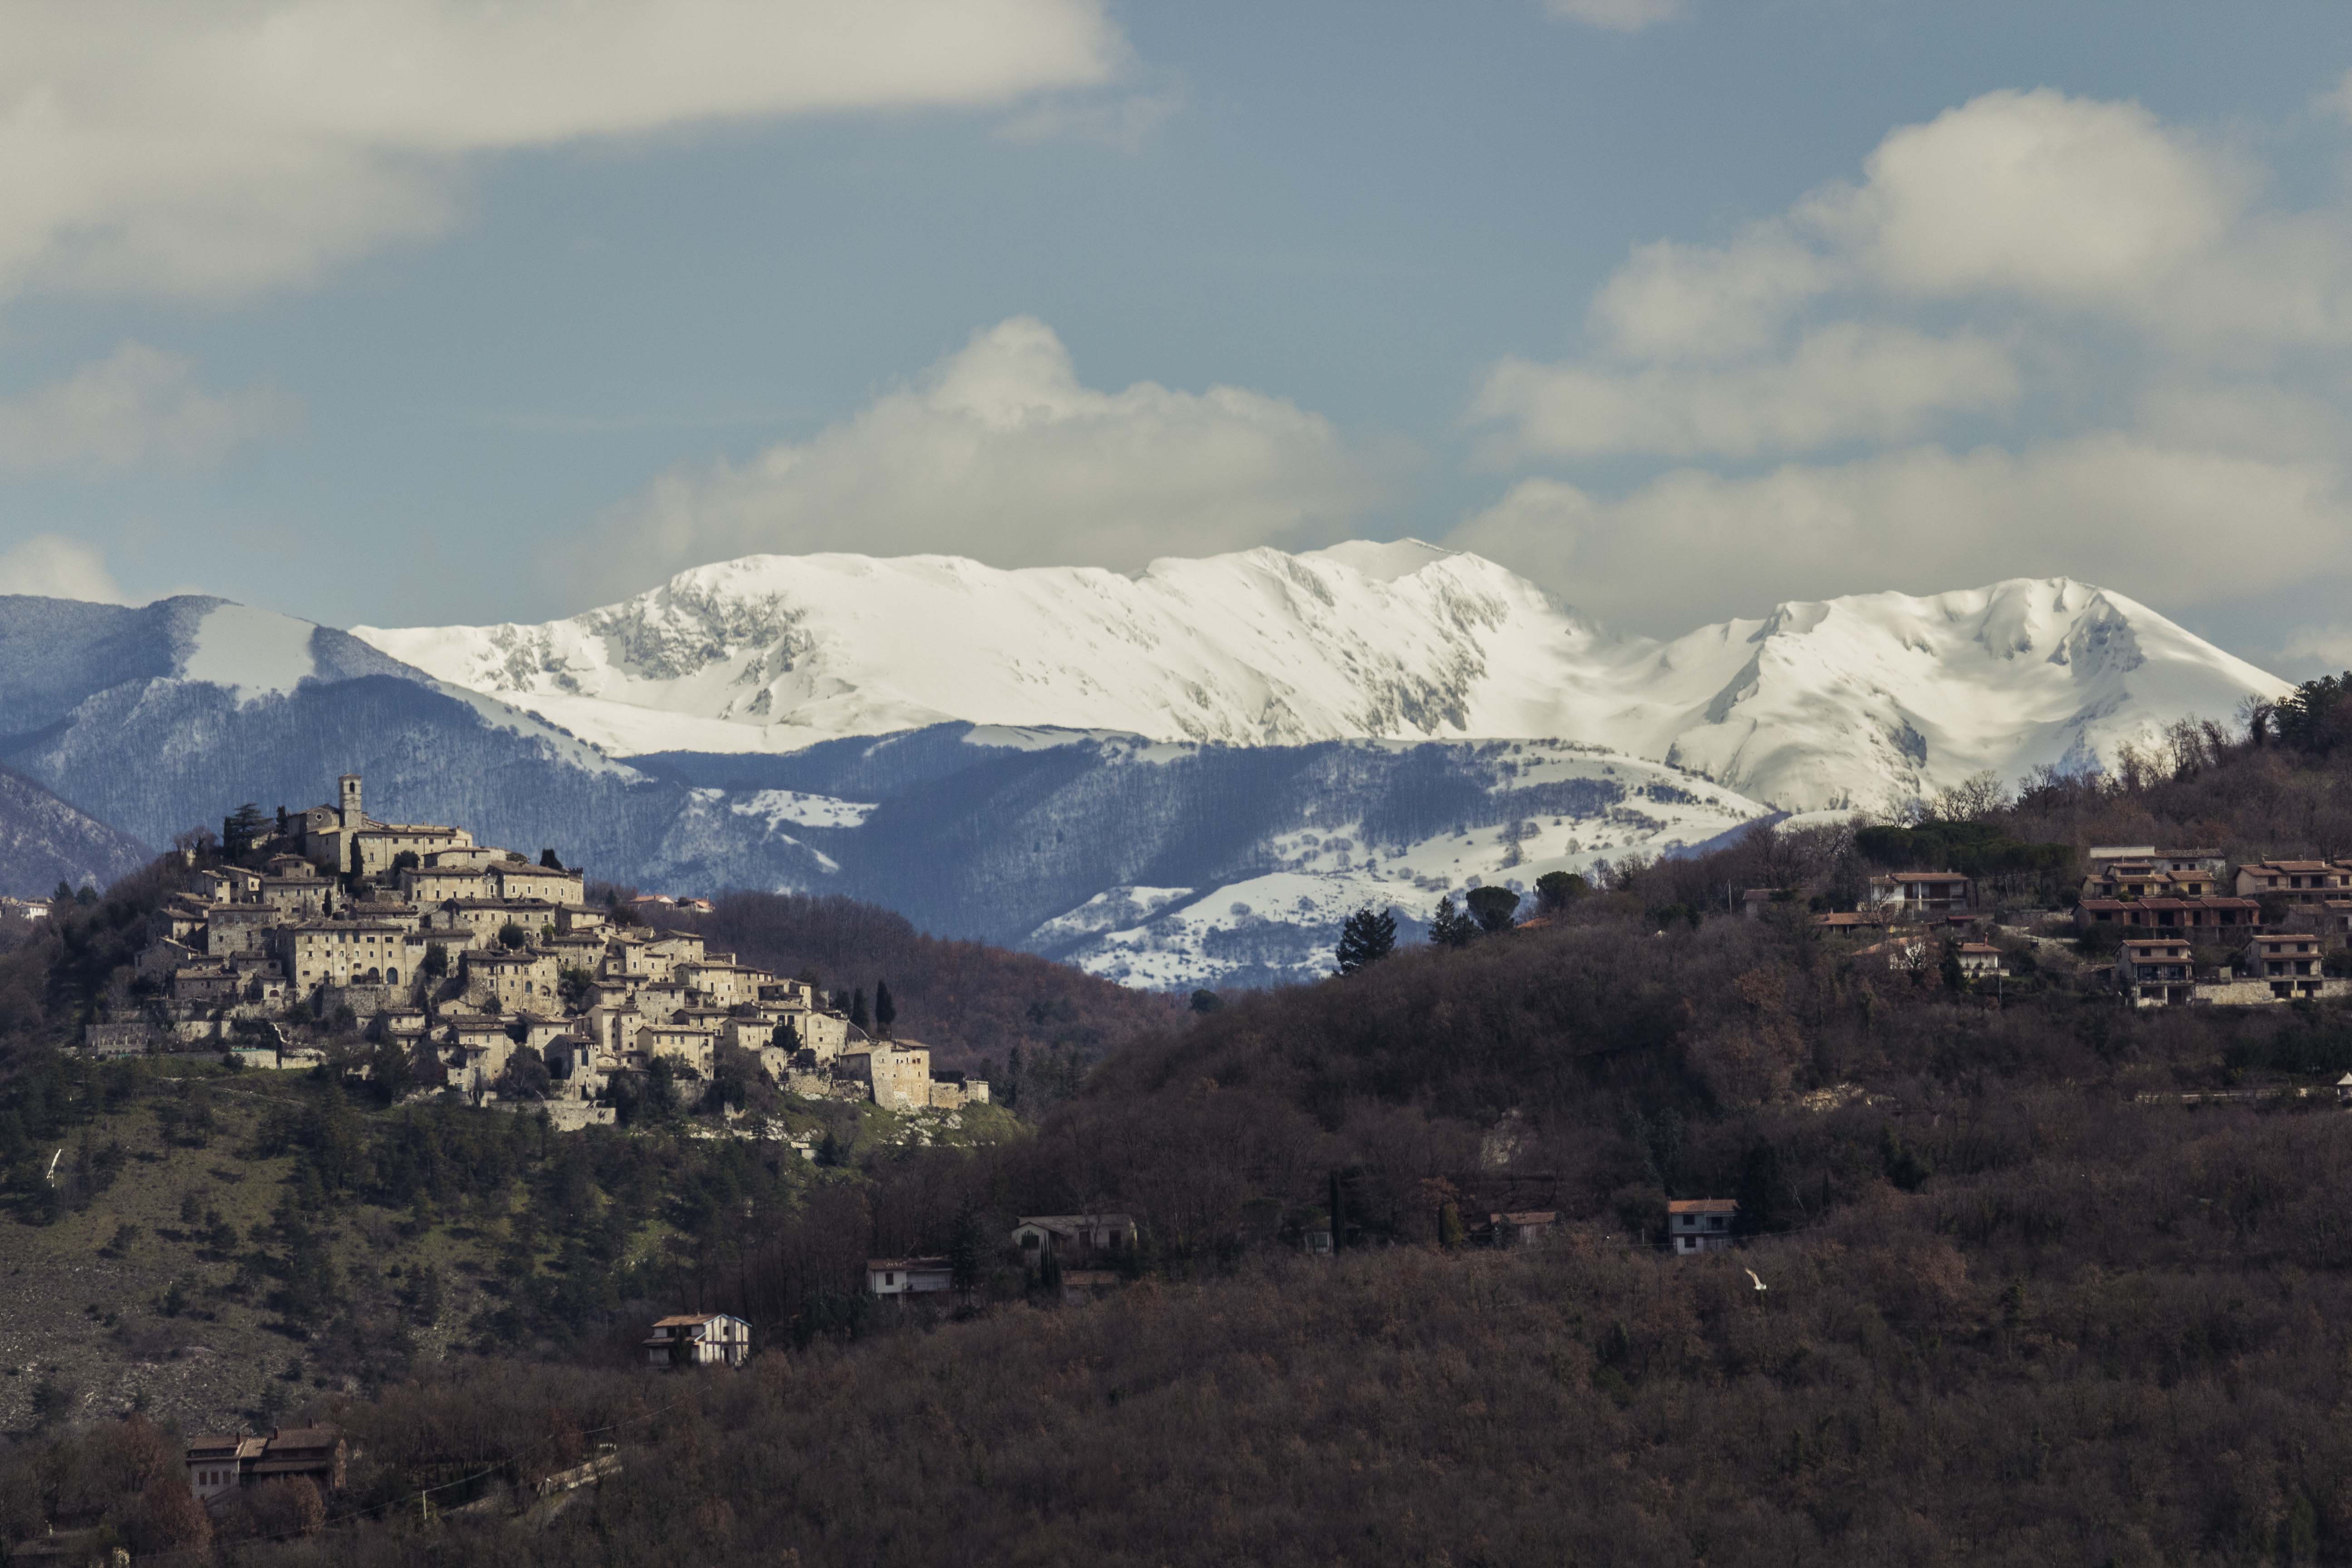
(254, 653)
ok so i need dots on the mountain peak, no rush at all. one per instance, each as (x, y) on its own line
(1872, 699)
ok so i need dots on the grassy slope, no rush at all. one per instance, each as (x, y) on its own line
(90, 1321)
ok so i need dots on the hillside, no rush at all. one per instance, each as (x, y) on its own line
(1873, 700)
(45, 841)
(2011, 1299)
(974, 1005)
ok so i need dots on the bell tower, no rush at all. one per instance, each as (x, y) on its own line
(351, 817)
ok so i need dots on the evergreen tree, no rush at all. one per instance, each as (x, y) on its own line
(547, 858)
(1369, 936)
(886, 1011)
(1492, 908)
(857, 1008)
(1954, 978)
(1759, 1190)
(965, 1246)
(1555, 890)
(786, 1037)
(242, 829)
(1203, 1001)
(1449, 927)
(63, 896)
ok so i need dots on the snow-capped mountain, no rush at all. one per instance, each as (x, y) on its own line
(1157, 862)
(1872, 701)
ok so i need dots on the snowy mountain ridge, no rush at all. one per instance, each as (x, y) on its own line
(1870, 701)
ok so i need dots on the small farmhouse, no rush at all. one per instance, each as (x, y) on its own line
(698, 1339)
(901, 1276)
(1074, 1239)
(1700, 1224)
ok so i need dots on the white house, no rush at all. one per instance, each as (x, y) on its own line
(907, 1275)
(698, 1339)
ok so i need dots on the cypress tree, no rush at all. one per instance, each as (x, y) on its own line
(857, 1008)
(886, 1011)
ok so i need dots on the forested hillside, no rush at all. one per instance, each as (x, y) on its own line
(2012, 1284)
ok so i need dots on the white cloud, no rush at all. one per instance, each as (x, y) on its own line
(999, 451)
(1845, 381)
(2172, 525)
(1616, 15)
(151, 145)
(2122, 288)
(1689, 301)
(138, 408)
(55, 567)
(2326, 648)
(2060, 198)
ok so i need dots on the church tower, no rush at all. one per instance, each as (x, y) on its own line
(351, 817)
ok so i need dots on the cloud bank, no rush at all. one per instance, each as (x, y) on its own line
(138, 408)
(158, 147)
(55, 567)
(1000, 452)
(2039, 334)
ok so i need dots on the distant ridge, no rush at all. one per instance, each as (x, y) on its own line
(1870, 701)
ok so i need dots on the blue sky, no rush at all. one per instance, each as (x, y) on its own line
(438, 313)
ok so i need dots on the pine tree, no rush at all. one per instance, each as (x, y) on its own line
(1449, 927)
(547, 858)
(1556, 889)
(886, 1011)
(1369, 936)
(1492, 908)
(857, 1008)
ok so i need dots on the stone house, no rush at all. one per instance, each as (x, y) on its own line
(431, 886)
(238, 928)
(1700, 1224)
(338, 952)
(517, 880)
(483, 919)
(518, 980)
(687, 1044)
(720, 979)
(698, 1339)
(897, 1073)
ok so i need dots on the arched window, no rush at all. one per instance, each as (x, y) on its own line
(375, 976)
(392, 977)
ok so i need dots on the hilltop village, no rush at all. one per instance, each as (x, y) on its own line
(490, 972)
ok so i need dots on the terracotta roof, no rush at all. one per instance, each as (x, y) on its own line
(1703, 1205)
